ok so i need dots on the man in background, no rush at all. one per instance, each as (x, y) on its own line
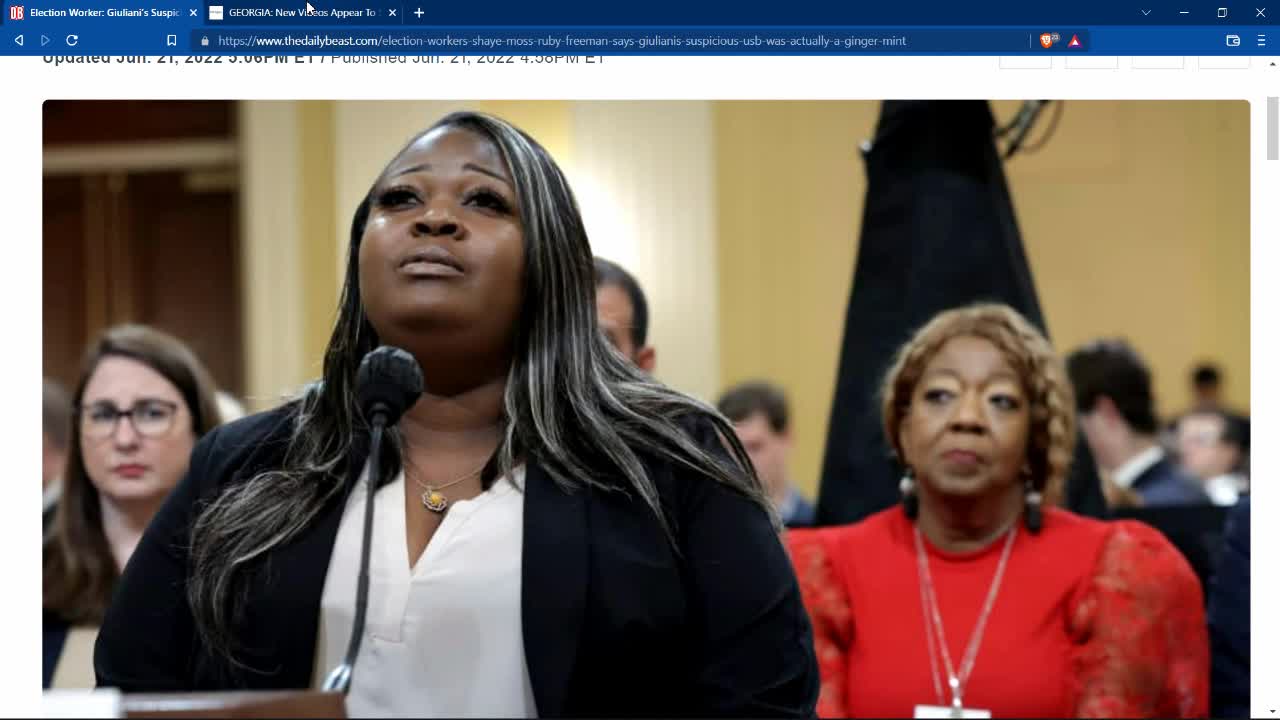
(1213, 446)
(57, 433)
(1117, 416)
(1207, 395)
(761, 418)
(623, 313)
(1206, 386)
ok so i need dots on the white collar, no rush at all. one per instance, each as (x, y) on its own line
(52, 493)
(1128, 473)
(1226, 489)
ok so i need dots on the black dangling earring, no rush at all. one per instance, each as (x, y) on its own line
(1035, 518)
(910, 503)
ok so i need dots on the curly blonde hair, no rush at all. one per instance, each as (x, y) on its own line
(1052, 433)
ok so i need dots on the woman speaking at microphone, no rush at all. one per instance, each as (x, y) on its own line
(558, 534)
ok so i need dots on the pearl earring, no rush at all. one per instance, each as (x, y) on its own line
(907, 487)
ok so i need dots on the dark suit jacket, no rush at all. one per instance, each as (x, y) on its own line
(1229, 620)
(55, 631)
(614, 621)
(801, 512)
(1164, 484)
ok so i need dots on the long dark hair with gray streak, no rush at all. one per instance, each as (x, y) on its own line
(572, 403)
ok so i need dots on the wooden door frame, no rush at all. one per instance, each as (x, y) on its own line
(104, 169)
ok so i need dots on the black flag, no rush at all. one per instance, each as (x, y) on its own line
(938, 231)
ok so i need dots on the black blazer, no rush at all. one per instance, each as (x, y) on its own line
(55, 631)
(614, 621)
(1229, 621)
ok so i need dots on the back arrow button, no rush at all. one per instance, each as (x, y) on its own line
(19, 40)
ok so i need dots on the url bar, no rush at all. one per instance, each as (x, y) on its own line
(639, 41)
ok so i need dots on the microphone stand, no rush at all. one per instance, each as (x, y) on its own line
(339, 680)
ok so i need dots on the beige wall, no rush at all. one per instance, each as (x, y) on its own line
(271, 248)
(741, 221)
(1136, 222)
(789, 199)
(1135, 219)
(644, 173)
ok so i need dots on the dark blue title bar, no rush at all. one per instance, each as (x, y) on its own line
(155, 27)
(675, 13)
(510, 13)
(799, 13)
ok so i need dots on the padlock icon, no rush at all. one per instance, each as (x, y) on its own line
(204, 41)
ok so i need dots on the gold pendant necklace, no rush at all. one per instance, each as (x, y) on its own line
(432, 498)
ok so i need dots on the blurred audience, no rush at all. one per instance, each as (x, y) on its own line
(1229, 620)
(142, 401)
(762, 420)
(1118, 418)
(623, 313)
(1024, 610)
(1206, 387)
(57, 432)
(1213, 447)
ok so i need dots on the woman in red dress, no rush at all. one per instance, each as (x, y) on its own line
(975, 596)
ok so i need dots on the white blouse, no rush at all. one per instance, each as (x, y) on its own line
(444, 637)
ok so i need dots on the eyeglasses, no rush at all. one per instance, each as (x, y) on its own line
(1206, 438)
(150, 418)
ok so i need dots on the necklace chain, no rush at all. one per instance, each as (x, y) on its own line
(451, 483)
(929, 602)
(432, 498)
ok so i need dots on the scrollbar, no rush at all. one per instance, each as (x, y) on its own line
(1273, 128)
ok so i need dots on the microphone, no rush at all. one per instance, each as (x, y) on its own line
(388, 382)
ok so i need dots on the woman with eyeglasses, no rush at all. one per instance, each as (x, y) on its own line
(142, 401)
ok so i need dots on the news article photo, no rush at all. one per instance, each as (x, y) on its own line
(656, 408)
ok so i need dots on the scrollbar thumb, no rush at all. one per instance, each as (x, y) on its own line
(1273, 128)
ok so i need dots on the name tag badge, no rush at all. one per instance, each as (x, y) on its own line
(946, 711)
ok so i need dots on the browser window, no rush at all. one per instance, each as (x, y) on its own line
(794, 191)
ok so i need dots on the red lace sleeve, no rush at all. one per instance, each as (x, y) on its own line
(1142, 648)
(828, 605)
